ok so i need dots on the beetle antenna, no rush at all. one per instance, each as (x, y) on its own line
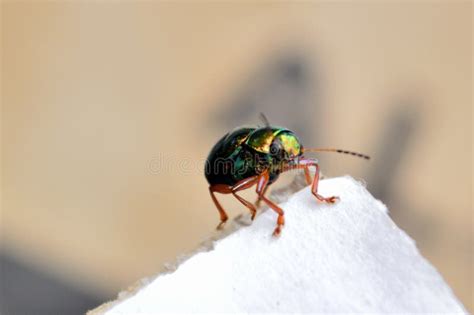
(337, 151)
(264, 119)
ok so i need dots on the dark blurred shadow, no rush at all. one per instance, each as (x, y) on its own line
(28, 291)
(400, 129)
(285, 88)
(394, 141)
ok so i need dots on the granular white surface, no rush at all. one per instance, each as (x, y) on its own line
(346, 257)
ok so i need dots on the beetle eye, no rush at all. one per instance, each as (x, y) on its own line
(275, 148)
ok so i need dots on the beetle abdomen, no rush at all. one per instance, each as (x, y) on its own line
(224, 163)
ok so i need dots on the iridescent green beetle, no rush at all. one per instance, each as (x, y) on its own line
(246, 157)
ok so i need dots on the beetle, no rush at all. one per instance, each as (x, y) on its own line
(249, 156)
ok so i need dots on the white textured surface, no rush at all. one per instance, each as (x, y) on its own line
(347, 257)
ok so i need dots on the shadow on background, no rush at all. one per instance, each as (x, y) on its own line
(26, 290)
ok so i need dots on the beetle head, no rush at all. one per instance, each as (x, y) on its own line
(285, 146)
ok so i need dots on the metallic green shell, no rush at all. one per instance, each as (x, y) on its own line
(245, 152)
(261, 139)
(233, 140)
(226, 161)
(290, 143)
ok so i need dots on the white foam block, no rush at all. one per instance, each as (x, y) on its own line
(346, 257)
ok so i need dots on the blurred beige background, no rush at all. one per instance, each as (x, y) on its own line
(109, 110)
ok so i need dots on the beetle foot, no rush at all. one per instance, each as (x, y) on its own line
(220, 226)
(252, 215)
(276, 232)
(332, 199)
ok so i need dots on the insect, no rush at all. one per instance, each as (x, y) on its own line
(249, 156)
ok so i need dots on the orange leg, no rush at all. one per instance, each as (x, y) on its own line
(259, 200)
(226, 189)
(307, 175)
(308, 181)
(223, 215)
(262, 184)
(306, 164)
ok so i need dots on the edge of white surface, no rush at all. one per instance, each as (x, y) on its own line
(265, 224)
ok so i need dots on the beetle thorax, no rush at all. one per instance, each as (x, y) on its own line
(280, 146)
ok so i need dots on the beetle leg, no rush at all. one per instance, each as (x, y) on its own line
(307, 175)
(259, 200)
(226, 189)
(223, 189)
(242, 185)
(249, 205)
(314, 188)
(261, 185)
